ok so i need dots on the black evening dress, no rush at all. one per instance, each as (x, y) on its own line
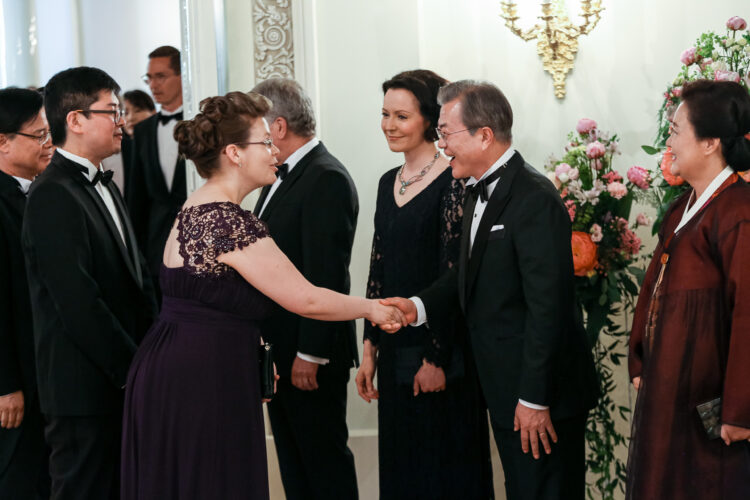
(193, 422)
(434, 445)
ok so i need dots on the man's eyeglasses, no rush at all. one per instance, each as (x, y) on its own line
(41, 139)
(157, 78)
(444, 135)
(117, 113)
(267, 143)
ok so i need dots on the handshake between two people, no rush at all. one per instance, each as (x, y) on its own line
(394, 313)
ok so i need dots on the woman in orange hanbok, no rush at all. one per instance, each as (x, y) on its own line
(690, 343)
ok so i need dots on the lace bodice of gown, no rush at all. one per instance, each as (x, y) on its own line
(204, 232)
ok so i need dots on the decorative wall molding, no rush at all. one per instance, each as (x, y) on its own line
(274, 39)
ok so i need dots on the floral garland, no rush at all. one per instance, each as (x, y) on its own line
(714, 57)
(605, 251)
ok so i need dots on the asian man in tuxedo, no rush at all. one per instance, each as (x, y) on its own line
(514, 286)
(25, 151)
(311, 212)
(156, 183)
(91, 296)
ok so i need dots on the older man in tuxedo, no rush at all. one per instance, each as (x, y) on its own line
(25, 151)
(156, 183)
(311, 212)
(91, 297)
(514, 285)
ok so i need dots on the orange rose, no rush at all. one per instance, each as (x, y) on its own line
(666, 169)
(584, 253)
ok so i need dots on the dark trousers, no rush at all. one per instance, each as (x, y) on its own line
(560, 475)
(24, 471)
(310, 434)
(85, 459)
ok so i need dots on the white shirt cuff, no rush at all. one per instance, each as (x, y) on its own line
(532, 405)
(421, 312)
(313, 359)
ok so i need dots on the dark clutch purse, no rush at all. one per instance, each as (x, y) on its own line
(710, 414)
(266, 371)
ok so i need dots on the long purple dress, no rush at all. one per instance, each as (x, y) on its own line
(193, 422)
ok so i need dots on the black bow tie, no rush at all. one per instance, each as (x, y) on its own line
(479, 189)
(283, 169)
(103, 176)
(164, 119)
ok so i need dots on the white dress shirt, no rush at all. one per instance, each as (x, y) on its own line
(167, 146)
(25, 184)
(106, 196)
(291, 162)
(476, 219)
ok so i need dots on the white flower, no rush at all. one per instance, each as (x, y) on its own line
(573, 173)
(742, 42)
(719, 66)
(715, 55)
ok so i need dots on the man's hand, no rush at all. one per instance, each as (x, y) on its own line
(11, 410)
(363, 380)
(429, 378)
(407, 307)
(304, 374)
(732, 433)
(535, 426)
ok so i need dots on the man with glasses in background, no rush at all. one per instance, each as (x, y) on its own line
(157, 186)
(25, 151)
(91, 296)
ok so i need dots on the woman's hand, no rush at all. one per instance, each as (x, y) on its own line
(637, 383)
(389, 318)
(275, 380)
(731, 434)
(429, 378)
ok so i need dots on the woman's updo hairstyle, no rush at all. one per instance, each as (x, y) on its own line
(721, 110)
(424, 85)
(222, 120)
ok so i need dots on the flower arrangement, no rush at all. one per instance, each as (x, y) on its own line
(714, 57)
(605, 250)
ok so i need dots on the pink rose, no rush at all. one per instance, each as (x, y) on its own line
(585, 126)
(611, 177)
(677, 91)
(596, 164)
(736, 23)
(561, 171)
(726, 76)
(595, 150)
(639, 176)
(630, 244)
(617, 190)
(643, 220)
(596, 233)
(573, 174)
(690, 56)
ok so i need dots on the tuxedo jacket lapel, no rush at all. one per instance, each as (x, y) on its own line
(290, 180)
(75, 172)
(127, 228)
(495, 206)
(463, 255)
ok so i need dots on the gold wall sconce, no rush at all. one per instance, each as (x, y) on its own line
(556, 36)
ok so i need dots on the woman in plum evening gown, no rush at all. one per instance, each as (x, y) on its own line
(193, 423)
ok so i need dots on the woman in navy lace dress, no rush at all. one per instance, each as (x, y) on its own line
(432, 427)
(193, 424)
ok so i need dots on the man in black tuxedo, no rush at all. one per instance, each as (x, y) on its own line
(25, 150)
(91, 297)
(311, 211)
(156, 183)
(514, 285)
